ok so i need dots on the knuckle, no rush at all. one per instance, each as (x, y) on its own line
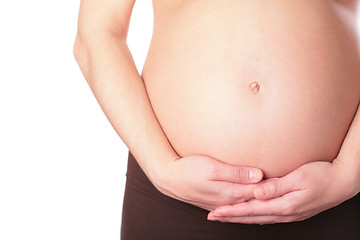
(185, 195)
(275, 188)
(235, 194)
(249, 212)
(288, 209)
(300, 218)
(212, 170)
(241, 199)
(288, 219)
(278, 220)
(271, 188)
(237, 174)
(190, 194)
(228, 196)
(300, 177)
(241, 174)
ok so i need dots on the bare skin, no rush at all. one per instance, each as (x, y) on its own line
(269, 79)
(104, 58)
(229, 87)
(304, 192)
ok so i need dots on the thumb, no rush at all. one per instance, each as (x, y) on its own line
(236, 174)
(273, 188)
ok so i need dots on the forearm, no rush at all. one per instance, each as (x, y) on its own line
(349, 155)
(109, 69)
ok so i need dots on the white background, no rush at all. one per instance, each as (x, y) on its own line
(62, 165)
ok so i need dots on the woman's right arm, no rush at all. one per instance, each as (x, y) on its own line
(105, 60)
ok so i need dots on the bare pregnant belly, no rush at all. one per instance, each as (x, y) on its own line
(303, 56)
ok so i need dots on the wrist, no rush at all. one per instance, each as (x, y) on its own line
(348, 177)
(162, 173)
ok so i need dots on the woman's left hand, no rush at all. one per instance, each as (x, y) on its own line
(303, 193)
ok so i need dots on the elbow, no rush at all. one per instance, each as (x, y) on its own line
(81, 55)
(81, 44)
(81, 52)
(77, 48)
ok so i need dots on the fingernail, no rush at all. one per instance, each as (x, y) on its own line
(217, 213)
(260, 192)
(211, 217)
(254, 175)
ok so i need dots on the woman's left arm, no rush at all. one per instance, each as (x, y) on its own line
(306, 191)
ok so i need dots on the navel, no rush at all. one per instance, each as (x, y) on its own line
(254, 87)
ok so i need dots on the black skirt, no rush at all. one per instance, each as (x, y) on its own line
(150, 215)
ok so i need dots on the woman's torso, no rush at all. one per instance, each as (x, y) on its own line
(304, 55)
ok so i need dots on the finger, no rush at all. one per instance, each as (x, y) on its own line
(276, 187)
(273, 207)
(236, 174)
(255, 220)
(236, 193)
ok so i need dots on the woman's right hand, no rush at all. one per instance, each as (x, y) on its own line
(206, 182)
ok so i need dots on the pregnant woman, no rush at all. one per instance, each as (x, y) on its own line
(243, 123)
